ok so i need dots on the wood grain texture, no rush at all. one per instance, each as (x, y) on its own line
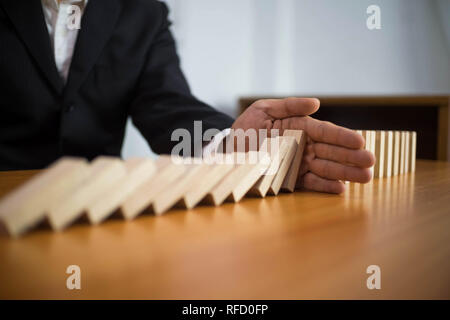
(300, 245)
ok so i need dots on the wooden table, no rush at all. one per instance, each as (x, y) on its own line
(294, 246)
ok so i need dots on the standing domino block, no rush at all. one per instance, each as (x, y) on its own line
(285, 164)
(402, 152)
(292, 175)
(138, 172)
(396, 158)
(239, 181)
(380, 137)
(373, 143)
(407, 150)
(26, 206)
(413, 151)
(167, 172)
(388, 153)
(104, 171)
(277, 150)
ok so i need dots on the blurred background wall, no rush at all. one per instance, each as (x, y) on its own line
(235, 48)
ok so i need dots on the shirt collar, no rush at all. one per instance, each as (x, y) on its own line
(55, 5)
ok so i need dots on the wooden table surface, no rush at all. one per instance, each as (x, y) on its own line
(294, 246)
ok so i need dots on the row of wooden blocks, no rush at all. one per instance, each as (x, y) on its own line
(72, 188)
(395, 151)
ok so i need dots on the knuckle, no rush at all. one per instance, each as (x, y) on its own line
(261, 104)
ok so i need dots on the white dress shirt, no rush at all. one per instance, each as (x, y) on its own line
(63, 39)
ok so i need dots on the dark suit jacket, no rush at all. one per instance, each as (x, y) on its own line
(124, 64)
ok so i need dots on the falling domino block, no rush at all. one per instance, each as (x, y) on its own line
(169, 197)
(26, 206)
(277, 151)
(396, 159)
(104, 171)
(138, 171)
(292, 175)
(197, 192)
(388, 153)
(167, 172)
(285, 164)
(239, 181)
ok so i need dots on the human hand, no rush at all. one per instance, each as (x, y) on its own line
(332, 154)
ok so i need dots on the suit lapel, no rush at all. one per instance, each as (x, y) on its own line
(28, 20)
(97, 25)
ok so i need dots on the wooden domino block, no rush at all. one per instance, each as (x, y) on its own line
(396, 155)
(373, 145)
(413, 151)
(380, 141)
(285, 164)
(395, 151)
(197, 192)
(402, 152)
(407, 150)
(292, 175)
(26, 206)
(172, 194)
(139, 171)
(238, 182)
(104, 171)
(388, 153)
(277, 150)
(167, 172)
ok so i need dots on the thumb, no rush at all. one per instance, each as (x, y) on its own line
(288, 107)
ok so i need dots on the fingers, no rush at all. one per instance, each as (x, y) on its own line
(313, 182)
(289, 107)
(327, 132)
(335, 171)
(360, 158)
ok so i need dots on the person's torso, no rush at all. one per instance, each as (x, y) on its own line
(42, 117)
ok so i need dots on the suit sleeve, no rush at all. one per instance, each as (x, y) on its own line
(163, 101)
